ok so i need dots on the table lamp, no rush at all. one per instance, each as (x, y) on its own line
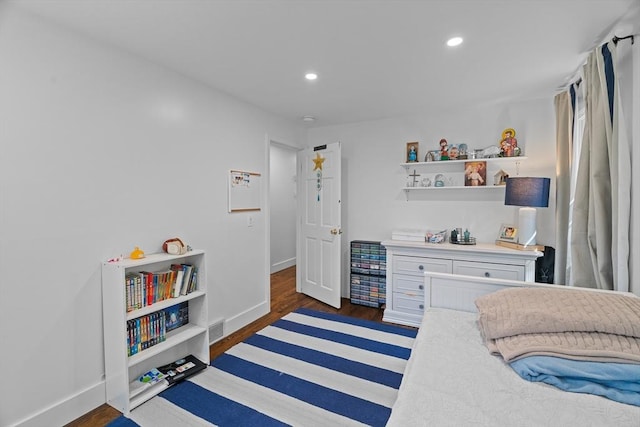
(530, 193)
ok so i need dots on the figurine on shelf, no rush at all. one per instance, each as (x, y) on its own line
(453, 153)
(500, 178)
(444, 149)
(412, 152)
(137, 253)
(509, 143)
(412, 155)
(462, 148)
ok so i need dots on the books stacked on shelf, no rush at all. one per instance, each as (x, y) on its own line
(147, 331)
(146, 288)
(189, 280)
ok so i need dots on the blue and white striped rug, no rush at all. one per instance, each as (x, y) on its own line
(307, 369)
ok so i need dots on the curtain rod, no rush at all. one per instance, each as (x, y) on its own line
(616, 39)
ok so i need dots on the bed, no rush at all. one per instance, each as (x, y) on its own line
(451, 379)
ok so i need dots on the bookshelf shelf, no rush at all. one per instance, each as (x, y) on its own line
(174, 338)
(162, 305)
(122, 369)
(148, 394)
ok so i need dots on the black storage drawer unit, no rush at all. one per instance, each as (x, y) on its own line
(368, 273)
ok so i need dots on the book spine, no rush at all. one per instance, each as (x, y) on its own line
(139, 334)
(149, 289)
(163, 327)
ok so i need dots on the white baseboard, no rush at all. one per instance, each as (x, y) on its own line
(243, 319)
(283, 264)
(67, 410)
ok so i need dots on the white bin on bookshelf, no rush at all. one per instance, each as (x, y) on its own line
(122, 370)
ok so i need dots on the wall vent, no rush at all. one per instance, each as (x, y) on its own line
(216, 331)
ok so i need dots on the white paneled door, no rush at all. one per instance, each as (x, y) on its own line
(319, 236)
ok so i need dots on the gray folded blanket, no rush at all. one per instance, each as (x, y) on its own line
(574, 324)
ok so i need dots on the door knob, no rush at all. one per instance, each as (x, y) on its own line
(336, 231)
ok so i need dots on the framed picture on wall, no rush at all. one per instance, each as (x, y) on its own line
(508, 233)
(475, 174)
(412, 152)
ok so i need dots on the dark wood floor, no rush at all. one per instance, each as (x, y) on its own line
(284, 299)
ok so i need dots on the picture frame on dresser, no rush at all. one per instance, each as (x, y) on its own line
(508, 233)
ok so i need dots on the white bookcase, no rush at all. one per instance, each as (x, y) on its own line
(121, 370)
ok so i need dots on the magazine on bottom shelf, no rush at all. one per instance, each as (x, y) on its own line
(181, 369)
(146, 382)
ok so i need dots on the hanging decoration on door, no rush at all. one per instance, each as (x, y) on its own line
(318, 166)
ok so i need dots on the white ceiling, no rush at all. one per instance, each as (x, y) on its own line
(375, 59)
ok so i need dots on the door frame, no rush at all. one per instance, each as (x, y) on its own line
(269, 141)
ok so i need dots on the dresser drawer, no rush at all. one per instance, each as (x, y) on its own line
(409, 285)
(408, 304)
(496, 271)
(416, 266)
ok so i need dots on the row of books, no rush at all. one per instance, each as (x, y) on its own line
(167, 375)
(147, 331)
(146, 288)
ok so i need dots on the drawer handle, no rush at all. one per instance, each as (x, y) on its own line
(421, 306)
(421, 287)
(487, 274)
(421, 267)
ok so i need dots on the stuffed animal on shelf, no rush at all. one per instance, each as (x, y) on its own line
(174, 246)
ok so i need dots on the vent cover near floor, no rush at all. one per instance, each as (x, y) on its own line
(216, 331)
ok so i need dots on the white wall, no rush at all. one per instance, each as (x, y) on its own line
(102, 151)
(372, 176)
(282, 197)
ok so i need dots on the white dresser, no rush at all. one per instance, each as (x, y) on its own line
(407, 262)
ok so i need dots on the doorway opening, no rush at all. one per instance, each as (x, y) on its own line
(282, 206)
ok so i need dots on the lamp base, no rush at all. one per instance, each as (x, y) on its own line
(527, 225)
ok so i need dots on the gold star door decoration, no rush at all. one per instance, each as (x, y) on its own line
(318, 161)
(318, 166)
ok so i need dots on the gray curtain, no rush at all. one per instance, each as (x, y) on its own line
(564, 149)
(599, 239)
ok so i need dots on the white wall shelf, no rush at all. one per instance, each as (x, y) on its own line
(407, 166)
(453, 171)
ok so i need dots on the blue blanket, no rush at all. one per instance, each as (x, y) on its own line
(615, 381)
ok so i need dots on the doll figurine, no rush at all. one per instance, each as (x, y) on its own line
(444, 149)
(509, 143)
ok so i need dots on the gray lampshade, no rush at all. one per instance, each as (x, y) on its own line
(530, 192)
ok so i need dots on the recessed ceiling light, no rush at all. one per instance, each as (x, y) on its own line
(308, 119)
(311, 76)
(455, 41)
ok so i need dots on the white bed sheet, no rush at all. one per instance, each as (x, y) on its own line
(452, 380)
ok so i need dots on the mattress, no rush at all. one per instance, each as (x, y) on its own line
(452, 380)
